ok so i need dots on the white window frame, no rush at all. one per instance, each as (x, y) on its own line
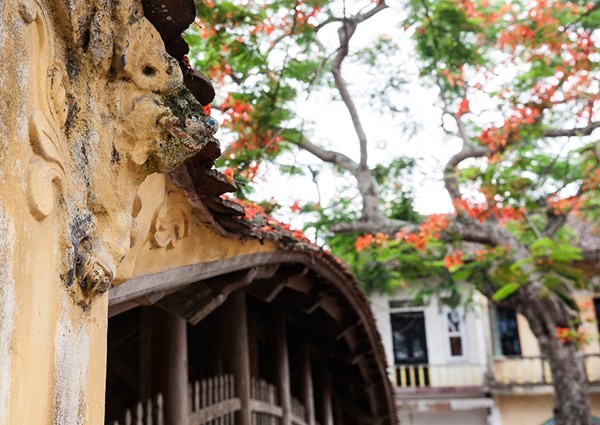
(461, 333)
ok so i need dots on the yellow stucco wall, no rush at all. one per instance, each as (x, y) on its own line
(165, 214)
(532, 409)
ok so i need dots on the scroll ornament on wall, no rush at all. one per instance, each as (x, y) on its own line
(171, 221)
(49, 172)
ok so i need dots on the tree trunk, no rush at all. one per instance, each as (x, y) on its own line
(571, 401)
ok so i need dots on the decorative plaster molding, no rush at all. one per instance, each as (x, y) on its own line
(171, 221)
(107, 107)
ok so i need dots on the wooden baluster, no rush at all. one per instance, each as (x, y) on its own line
(215, 393)
(411, 375)
(222, 389)
(589, 368)
(261, 390)
(139, 414)
(204, 393)
(196, 393)
(473, 375)
(160, 417)
(217, 397)
(520, 378)
(149, 412)
(190, 397)
(128, 417)
(232, 395)
(421, 372)
(211, 396)
(547, 373)
(227, 397)
(254, 396)
(402, 370)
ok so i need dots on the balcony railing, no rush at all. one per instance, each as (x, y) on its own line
(535, 370)
(438, 376)
(506, 371)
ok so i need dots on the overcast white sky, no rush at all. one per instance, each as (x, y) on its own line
(333, 128)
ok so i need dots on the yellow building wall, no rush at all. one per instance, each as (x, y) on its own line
(532, 409)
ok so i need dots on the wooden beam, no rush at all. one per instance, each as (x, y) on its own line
(347, 328)
(121, 308)
(266, 290)
(300, 282)
(316, 300)
(199, 299)
(332, 307)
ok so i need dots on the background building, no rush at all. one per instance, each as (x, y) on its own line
(475, 365)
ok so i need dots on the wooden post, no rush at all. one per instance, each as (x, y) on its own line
(169, 364)
(283, 367)
(307, 384)
(326, 402)
(253, 345)
(235, 337)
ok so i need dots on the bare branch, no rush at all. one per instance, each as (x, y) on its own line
(327, 22)
(332, 157)
(572, 132)
(450, 176)
(367, 186)
(386, 226)
(345, 33)
(369, 13)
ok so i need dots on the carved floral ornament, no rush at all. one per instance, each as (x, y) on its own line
(108, 108)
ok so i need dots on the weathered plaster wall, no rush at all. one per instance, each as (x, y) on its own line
(90, 105)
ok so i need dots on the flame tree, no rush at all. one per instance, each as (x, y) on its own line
(518, 87)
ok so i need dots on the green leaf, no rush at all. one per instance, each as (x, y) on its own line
(505, 291)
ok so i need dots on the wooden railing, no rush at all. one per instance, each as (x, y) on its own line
(535, 370)
(263, 403)
(298, 412)
(213, 401)
(149, 412)
(438, 376)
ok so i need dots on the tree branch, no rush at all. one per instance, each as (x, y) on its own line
(331, 157)
(345, 33)
(572, 132)
(386, 226)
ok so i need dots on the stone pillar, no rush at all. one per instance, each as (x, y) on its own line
(283, 367)
(170, 365)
